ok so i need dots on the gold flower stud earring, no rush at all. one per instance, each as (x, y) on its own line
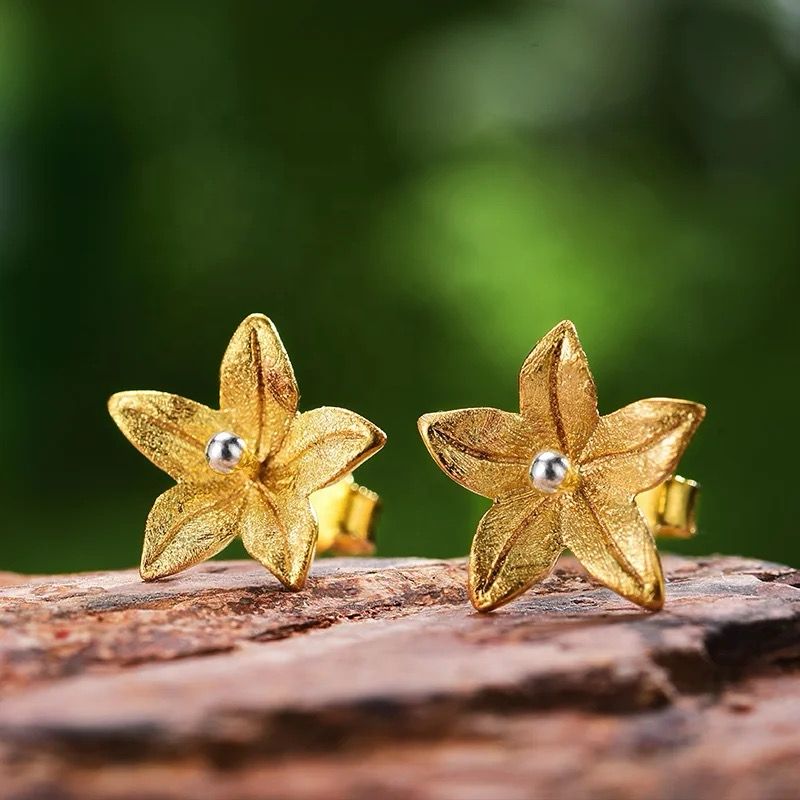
(256, 468)
(561, 476)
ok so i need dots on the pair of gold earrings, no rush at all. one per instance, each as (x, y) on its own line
(559, 475)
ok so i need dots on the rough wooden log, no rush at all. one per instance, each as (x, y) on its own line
(379, 681)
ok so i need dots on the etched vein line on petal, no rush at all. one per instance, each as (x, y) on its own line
(498, 563)
(157, 417)
(221, 503)
(639, 449)
(282, 392)
(255, 351)
(261, 489)
(239, 514)
(475, 452)
(340, 436)
(620, 557)
(555, 408)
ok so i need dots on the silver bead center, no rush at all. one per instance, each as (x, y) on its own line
(224, 451)
(548, 470)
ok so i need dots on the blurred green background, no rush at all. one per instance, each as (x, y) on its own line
(415, 192)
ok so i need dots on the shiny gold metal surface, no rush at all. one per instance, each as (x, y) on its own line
(268, 498)
(670, 508)
(347, 514)
(615, 462)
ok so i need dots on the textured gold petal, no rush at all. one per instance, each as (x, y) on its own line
(280, 531)
(257, 385)
(190, 523)
(640, 445)
(486, 450)
(322, 446)
(170, 430)
(557, 392)
(608, 535)
(517, 543)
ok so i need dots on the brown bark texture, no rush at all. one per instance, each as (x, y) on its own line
(379, 680)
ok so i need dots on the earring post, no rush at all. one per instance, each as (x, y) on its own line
(670, 508)
(347, 514)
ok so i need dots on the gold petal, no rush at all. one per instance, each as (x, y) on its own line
(258, 386)
(280, 531)
(170, 430)
(517, 543)
(190, 523)
(610, 538)
(486, 450)
(557, 392)
(640, 445)
(322, 446)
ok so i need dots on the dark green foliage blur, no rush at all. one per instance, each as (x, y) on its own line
(414, 192)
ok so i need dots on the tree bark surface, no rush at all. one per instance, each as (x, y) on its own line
(379, 680)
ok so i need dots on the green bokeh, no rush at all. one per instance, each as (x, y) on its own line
(415, 193)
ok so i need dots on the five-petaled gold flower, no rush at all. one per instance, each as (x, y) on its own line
(245, 470)
(562, 477)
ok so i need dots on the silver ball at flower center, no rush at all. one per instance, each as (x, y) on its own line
(548, 470)
(224, 451)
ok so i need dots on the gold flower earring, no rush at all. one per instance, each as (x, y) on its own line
(256, 468)
(563, 477)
